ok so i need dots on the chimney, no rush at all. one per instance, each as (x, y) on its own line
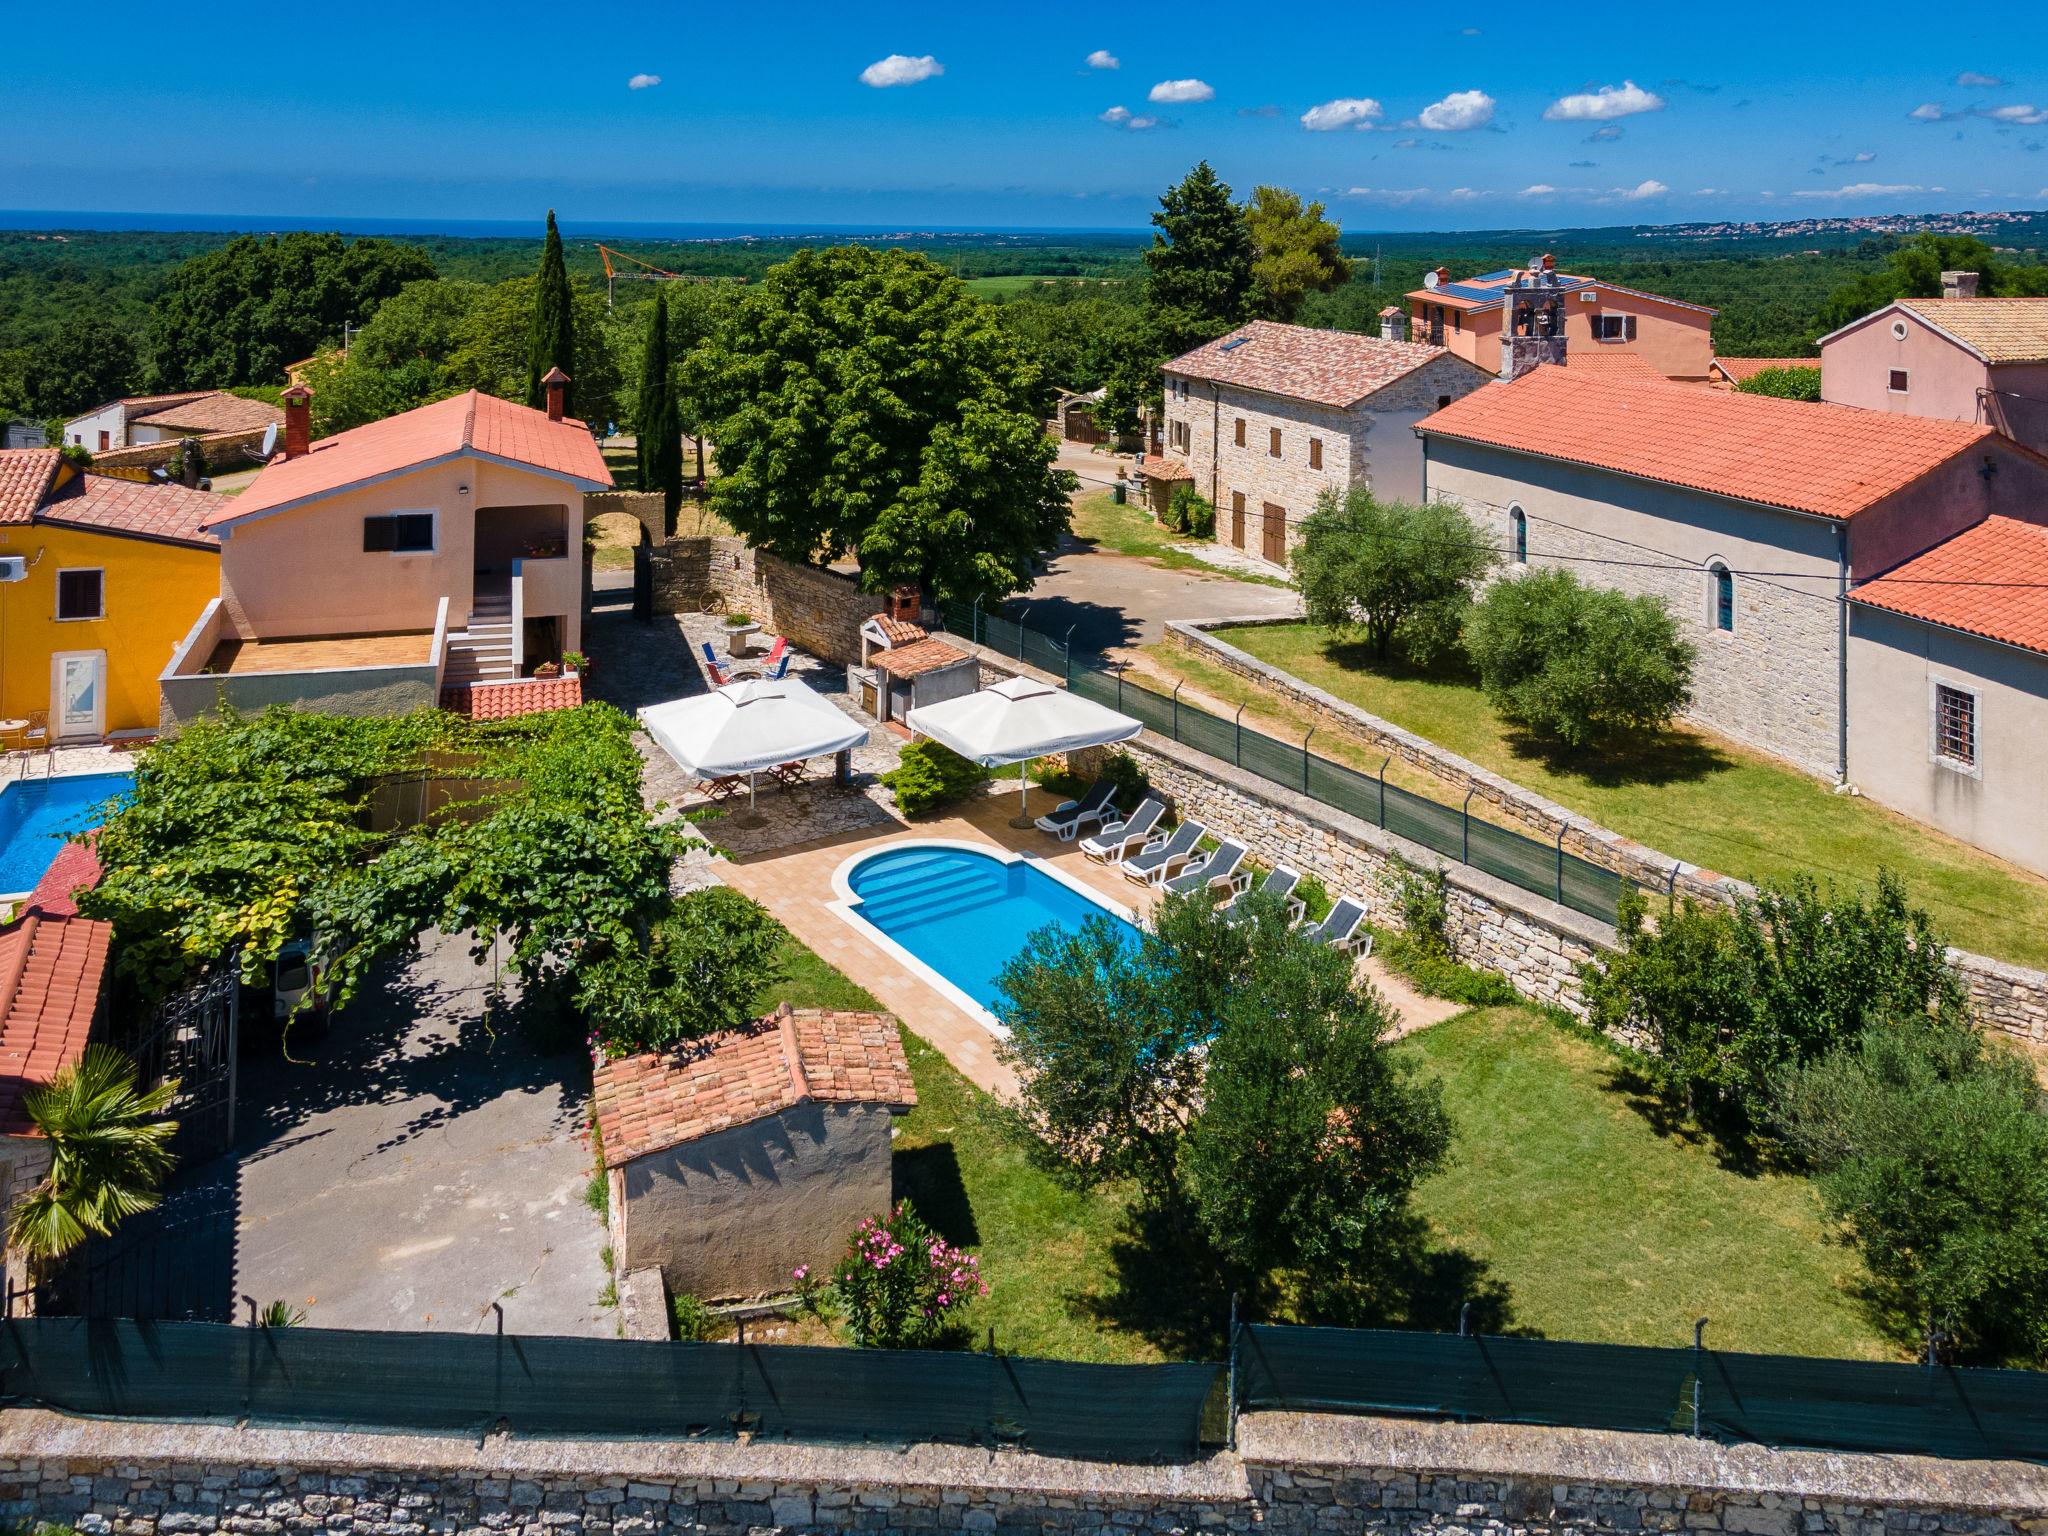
(1959, 285)
(1394, 323)
(298, 421)
(1443, 274)
(905, 603)
(556, 383)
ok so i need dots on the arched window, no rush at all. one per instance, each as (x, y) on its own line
(1518, 535)
(1723, 595)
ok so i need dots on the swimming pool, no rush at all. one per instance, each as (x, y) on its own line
(959, 913)
(37, 815)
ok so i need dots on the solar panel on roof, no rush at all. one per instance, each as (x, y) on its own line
(1233, 344)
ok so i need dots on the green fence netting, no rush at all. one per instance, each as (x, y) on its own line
(602, 1387)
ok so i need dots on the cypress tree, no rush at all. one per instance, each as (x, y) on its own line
(552, 343)
(658, 424)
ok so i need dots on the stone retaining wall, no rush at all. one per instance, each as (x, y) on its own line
(819, 611)
(1294, 1475)
(2010, 998)
(223, 452)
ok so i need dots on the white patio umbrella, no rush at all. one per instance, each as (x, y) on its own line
(1019, 719)
(747, 726)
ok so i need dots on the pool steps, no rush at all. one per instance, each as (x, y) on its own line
(896, 898)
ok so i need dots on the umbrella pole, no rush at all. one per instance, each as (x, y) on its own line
(1022, 820)
(753, 817)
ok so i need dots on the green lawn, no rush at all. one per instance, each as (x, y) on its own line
(1129, 530)
(1692, 796)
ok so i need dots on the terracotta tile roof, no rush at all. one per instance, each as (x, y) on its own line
(134, 406)
(25, 475)
(917, 658)
(1303, 363)
(1489, 290)
(1828, 460)
(649, 1103)
(151, 509)
(471, 423)
(218, 412)
(1972, 582)
(1736, 369)
(1614, 365)
(2000, 330)
(1160, 468)
(53, 964)
(504, 701)
(896, 631)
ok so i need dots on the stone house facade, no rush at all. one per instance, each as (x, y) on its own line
(1265, 421)
(1751, 517)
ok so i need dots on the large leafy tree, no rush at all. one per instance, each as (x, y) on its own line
(1296, 251)
(704, 964)
(491, 350)
(1199, 262)
(1784, 383)
(1578, 664)
(1389, 569)
(551, 339)
(866, 404)
(239, 314)
(657, 427)
(399, 360)
(82, 363)
(110, 1147)
(1913, 270)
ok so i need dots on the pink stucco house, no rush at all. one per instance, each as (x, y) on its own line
(1958, 358)
(370, 571)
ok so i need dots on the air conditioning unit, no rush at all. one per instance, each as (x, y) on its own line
(13, 568)
(1588, 296)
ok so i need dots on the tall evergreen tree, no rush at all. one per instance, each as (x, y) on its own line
(658, 423)
(552, 342)
(1296, 251)
(1200, 262)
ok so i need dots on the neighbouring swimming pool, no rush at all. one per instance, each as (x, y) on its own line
(37, 815)
(966, 914)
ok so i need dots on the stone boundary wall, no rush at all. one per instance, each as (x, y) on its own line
(1293, 1475)
(820, 611)
(223, 452)
(2011, 998)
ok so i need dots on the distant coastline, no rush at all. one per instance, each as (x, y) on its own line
(54, 220)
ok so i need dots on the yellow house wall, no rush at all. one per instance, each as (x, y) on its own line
(151, 594)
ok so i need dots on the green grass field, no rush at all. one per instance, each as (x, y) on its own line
(1692, 796)
(1130, 530)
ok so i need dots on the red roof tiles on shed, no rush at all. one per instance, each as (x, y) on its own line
(652, 1102)
(507, 700)
(53, 964)
(1828, 460)
(1301, 362)
(1990, 580)
(917, 658)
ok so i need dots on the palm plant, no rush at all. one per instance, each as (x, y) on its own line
(110, 1148)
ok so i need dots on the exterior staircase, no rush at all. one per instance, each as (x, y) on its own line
(482, 653)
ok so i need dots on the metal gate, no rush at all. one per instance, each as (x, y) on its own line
(192, 1039)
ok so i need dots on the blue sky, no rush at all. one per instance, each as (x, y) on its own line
(1430, 116)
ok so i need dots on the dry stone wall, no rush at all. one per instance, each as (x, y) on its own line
(819, 611)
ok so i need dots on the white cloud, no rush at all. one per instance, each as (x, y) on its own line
(642, 82)
(1466, 194)
(901, 69)
(1971, 78)
(1539, 189)
(1457, 112)
(1624, 100)
(1395, 195)
(1928, 112)
(1861, 189)
(1102, 58)
(1642, 189)
(1344, 112)
(1124, 117)
(1711, 192)
(2029, 114)
(1183, 91)
(1862, 157)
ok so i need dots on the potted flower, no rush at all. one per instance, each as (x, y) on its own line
(576, 662)
(738, 626)
(548, 669)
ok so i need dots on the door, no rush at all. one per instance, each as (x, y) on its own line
(1276, 534)
(1237, 518)
(78, 695)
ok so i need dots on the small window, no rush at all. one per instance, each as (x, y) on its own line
(399, 533)
(1518, 530)
(1955, 725)
(1609, 328)
(1724, 599)
(1442, 401)
(1898, 381)
(106, 441)
(81, 595)
(1240, 431)
(1315, 453)
(1457, 320)
(1273, 442)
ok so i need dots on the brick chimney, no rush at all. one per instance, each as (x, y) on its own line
(298, 421)
(1959, 285)
(556, 383)
(1443, 274)
(905, 603)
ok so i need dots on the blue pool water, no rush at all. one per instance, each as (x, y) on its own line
(966, 914)
(36, 817)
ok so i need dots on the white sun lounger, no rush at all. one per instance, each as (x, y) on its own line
(1070, 818)
(1163, 856)
(1219, 868)
(1120, 837)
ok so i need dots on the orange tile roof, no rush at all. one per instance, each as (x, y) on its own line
(917, 658)
(25, 476)
(1736, 369)
(507, 700)
(472, 423)
(1159, 468)
(1989, 580)
(1303, 363)
(2000, 330)
(53, 965)
(1615, 365)
(651, 1102)
(896, 631)
(1827, 460)
(150, 509)
(218, 412)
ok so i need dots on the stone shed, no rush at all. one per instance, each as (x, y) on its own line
(742, 1155)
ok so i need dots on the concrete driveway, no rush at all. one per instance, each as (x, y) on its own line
(427, 1163)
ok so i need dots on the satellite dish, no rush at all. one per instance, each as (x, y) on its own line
(269, 443)
(1429, 279)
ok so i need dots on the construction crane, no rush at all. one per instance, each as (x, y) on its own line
(649, 273)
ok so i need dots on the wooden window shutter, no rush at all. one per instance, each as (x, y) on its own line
(1273, 442)
(1628, 328)
(1240, 431)
(1315, 453)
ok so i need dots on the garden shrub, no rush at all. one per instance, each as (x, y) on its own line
(900, 1280)
(1577, 664)
(1784, 383)
(1391, 569)
(699, 972)
(932, 775)
(1424, 899)
(1314, 897)
(690, 1319)
(1190, 512)
(1437, 973)
(1129, 777)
